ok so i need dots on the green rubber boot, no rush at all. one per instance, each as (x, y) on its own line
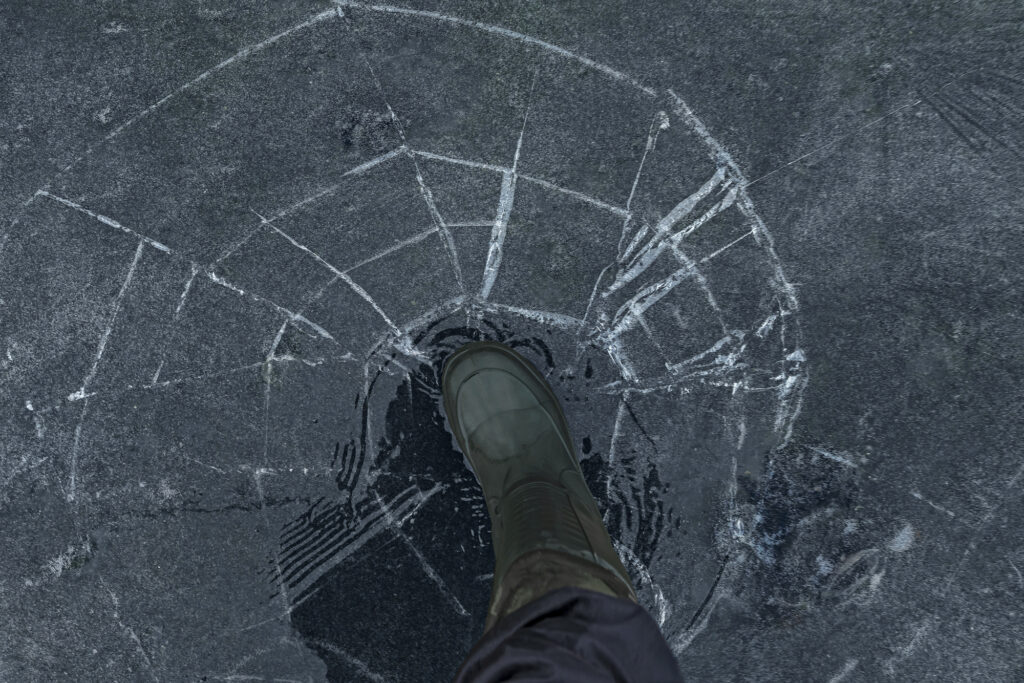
(545, 525)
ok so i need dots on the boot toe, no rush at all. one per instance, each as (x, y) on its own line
(492, 372)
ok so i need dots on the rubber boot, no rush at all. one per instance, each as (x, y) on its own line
(546, 529)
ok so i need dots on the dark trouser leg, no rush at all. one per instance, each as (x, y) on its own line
(572, 635)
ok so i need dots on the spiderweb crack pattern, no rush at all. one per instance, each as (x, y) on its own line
(646, 288)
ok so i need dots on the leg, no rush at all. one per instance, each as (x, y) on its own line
(562, 605)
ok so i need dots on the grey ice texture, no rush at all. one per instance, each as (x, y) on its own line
(768, 254)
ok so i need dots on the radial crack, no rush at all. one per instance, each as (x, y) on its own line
(82, 393)
(174, 320)
(663, 237)
(495, 250)
(505, 200)
(660, 123)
